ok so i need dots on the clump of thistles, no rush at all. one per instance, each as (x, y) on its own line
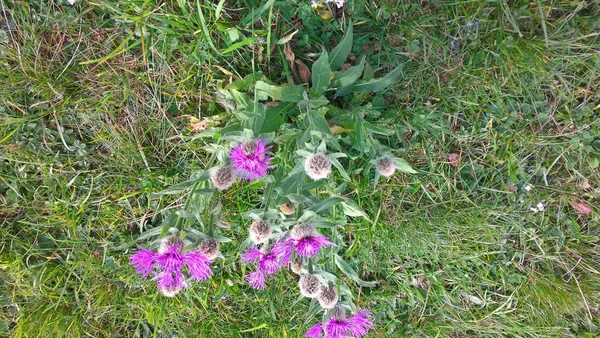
(310, 286)
(338, 326)
(250, 159)
(317, 166)
(210, 248)
(167, 265)
(304, 239)
(287, 208)
(222, 177)
(385, 166)
(260, 231)
(328, 297)
(268, 264)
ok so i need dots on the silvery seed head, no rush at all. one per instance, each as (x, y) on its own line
(328, 297)
(287, 208)
(310, 286)
(302, 230)
(385, 166)
(260, 231)
(168, 242)
(297, 265)
(222, 177)
(210, 248)
(317, 166)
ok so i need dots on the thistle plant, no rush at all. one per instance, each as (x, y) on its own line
(302, 148)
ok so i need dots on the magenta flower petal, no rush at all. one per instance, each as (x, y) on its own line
(251, 166)
(283, 250)
(198, 265)
(143, 261)
(251, 255)
(257, 280)
(269, 264)
(310, 246)
(170, 280)
(315, 331)
(171, 259)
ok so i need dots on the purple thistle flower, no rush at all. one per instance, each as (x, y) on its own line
(168, 264)
(339, 327)
(304, 239)
(250, 159)
(310, 246)
(268, 264)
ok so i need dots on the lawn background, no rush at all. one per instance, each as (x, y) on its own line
(494, 96)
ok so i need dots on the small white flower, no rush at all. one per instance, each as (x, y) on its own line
(528, 187)
(540, 206)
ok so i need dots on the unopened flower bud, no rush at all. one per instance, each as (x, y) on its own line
(287, 208)
(222, 177)
(210, 248)
(328, 297)
(260, 231)
(317, 166)
(310, 286)
(385, 166)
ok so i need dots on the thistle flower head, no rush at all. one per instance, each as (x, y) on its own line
(268, 264)
(250, 159)
(222, 177)
(297, 265)
(338, 326)
(328, 297)
(287, 208)
(260, 231)
(310, 286)
(385, 166)
(210, 248)
(317, 166)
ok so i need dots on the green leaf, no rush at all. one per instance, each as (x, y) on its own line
(340, 53)
(259, 114)
(403, 166)
(348, 271)
(349, 76)
(316, 121)
(255, 14)
(274, 117)
(326, 204)
(281, 93)
(352, 209)
(321, 74)
(374, 85)
(341, 169)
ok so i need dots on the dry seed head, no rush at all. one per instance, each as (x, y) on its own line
(385, 166)
(310, 286)
(317, 166)
(328, 297)
(302, 230)
(287, 208)
(168, 242)
(297, 265)
(210, 248)
(222, 177)
(260, 231)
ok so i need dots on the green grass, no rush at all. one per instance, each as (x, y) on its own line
(92, 99)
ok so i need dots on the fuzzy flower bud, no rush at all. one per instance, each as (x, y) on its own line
(385, 166)
(210, 248)
(260, 231)
(328, 297)
(317, 166)
(222, 177)
(287, 208)
(310, 286)
(297, 265)
(302, 230)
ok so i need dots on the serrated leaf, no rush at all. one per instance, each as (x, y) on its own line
(348, 271)
(347, 77)
(340, 53)
(321, 74)
(281, 93)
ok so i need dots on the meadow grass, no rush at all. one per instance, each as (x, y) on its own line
(93, 99)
